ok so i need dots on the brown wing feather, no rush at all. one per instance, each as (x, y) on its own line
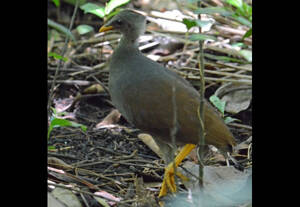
(147, 109)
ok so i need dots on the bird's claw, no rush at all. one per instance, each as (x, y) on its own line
(169, 180)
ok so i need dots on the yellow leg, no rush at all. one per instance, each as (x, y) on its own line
(169, 181)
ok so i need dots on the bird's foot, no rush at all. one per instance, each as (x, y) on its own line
(169, 180)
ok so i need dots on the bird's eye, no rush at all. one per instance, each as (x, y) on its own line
(119, 22)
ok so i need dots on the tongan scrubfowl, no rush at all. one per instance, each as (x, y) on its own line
(142, 90)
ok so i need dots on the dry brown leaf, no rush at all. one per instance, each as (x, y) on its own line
(58, 163)
(62, 105)
(53, 202)
(167, 46)
(149, 141)
(223, 184)
(101, 201)
(243, 147)
(67, 197)
(193, 155)
(111, 119)
(95, 88)
(109, 196)
(168, 24)
(237, 97)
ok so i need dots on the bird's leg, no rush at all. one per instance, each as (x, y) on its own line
(169, 181)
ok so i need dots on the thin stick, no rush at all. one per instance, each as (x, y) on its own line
(174, 131)
(241, 81)
(240, 126)
(60, 61)
(72, 82)
(201, 106)
(219, 73)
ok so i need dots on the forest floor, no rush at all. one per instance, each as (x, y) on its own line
(112, 163)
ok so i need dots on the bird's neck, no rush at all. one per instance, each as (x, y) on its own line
(128, 42)
(127, 48)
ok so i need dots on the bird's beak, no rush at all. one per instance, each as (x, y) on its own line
(106, 28)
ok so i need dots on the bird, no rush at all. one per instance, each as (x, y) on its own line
(156, 100)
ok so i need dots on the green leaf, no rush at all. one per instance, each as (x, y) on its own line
(112, 4)
(57, 56)
(61, 29)
(189, 23)
(93, 9)
(113, 13)
(247, 10)
(213, 10)
(247, 34)
(51, 147)
(56, 2)
(73, 2)
(56, 122)
(203, 23)
(53, 33)
(197, 37)
(83, 29)
(247, 54)
(238, 44)
(235, 3)
(229, 119)
(243, 9)
(220, 105)
(242, 20)
(53, 110)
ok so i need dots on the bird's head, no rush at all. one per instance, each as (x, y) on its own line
(128, 22)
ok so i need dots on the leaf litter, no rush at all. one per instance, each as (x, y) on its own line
(120, 161)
